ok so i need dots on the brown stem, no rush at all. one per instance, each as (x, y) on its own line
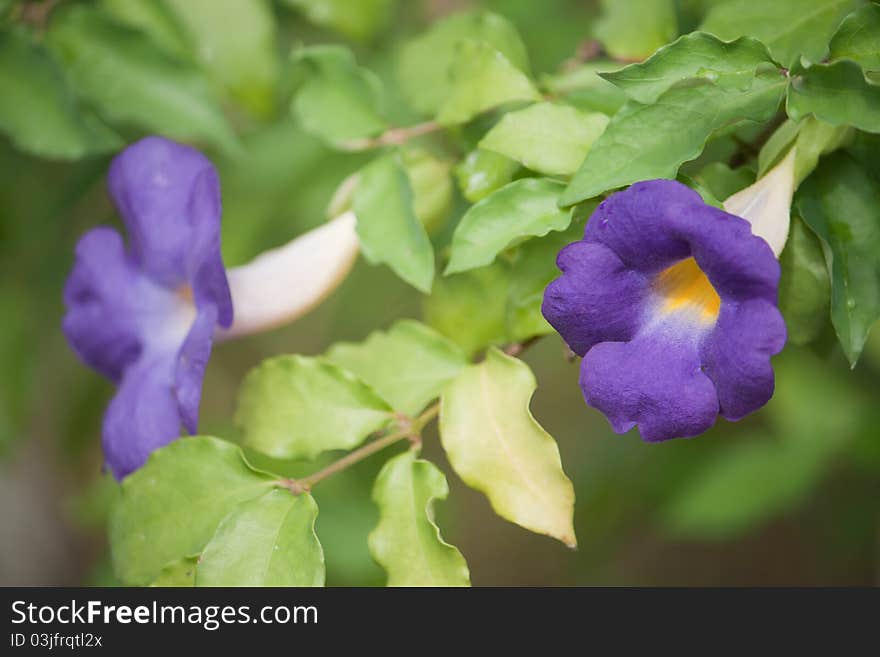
(409, 430)
(516, 348)
(393, 136)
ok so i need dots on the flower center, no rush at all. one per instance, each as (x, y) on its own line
(685, 288)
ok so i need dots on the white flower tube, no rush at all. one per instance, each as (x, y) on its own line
(766, 204)
(282, 284)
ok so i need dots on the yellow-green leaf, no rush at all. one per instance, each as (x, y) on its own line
(546, 137)
(407, 542)
(408, 365)
(496, 446)
(267, 541)
(297, 407)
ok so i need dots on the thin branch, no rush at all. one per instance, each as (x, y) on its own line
(393, 136)
(409, 430)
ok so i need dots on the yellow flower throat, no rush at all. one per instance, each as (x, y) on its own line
(684, 287)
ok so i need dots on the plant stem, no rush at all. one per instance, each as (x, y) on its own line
(409, 430)
(393, 136)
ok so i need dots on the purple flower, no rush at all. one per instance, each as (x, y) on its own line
(144, 314)
(672, 304)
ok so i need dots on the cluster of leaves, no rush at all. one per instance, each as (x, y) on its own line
(469, 204)
(229, 523)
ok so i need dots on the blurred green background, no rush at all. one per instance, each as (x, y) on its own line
(790, 495)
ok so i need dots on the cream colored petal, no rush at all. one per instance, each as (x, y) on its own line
(767, 203)
(282, 284)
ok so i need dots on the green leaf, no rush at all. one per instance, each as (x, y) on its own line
(722, 181)
(267, 541)
(804, 288)
(338, 101)
(729, 65)
(423, 64)
(294, 407)
(471, 308)
(170, 507)
(545, 137)
(387, 225)
(37, 112)
(858, 38)
(155, 19)
(813, 139)
(181, 573)
(236, 44)
(838, 93)
(496, 446)
(636, 28)
(407, 542)
(356, 19)
(839, 202)
(524, 208)
(532, 269)
(789, 28)
(431, 186)
(585, 88)
(652, 141)
(123, 73)
(482, 172)
(482, 78)
(408, 365)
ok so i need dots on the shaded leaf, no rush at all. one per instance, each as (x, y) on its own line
(585, 88)
(482, 78)
(431, 185)
(408, 365)
(524, 208)
(635, 29)
(407, 542)
(545, 137)
(838, 93)
(296, 407)
(424, 63)
(482, 172)
(840, 202)
(267, 541)
(471, 308)
(651, 141)
(236, 44)
(37, 112)
(789, 28)
(858, 38)
(531, 270)
(496, 446)
(338, 101)
(130, 80)
(170, 508)
(804, 288)
(387, 225)
(357, 19)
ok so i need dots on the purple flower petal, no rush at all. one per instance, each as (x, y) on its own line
(143, 415)
(169, 197)
(98, 325)
(599, 299)
(736, 355)
(190, 369)
(654, 381)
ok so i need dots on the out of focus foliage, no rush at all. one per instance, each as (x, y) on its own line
(459, 227)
